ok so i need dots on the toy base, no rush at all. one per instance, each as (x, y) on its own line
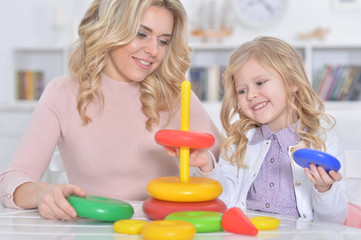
(156, 209)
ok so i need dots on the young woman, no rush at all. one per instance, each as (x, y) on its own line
(126, 72)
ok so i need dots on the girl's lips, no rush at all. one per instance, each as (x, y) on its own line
(259, 106)
(144, 64)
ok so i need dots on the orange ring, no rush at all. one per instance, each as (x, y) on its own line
(178, 138)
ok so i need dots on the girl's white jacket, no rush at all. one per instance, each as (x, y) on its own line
(329, 206)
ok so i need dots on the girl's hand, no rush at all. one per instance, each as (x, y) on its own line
(323, 181)
(197, 158)
(52, 202)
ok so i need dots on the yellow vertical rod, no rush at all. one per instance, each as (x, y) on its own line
(185, 119)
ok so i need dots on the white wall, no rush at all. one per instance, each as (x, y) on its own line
(302, 16)
(29, 22)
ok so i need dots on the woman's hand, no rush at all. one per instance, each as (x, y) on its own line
(323, 181)
(52, 202)
(50, 199)
(197, 158)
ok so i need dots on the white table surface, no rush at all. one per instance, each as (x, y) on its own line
(29, 225)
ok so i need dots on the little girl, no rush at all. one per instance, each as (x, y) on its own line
(268, 112)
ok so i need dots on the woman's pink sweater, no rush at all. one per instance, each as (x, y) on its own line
(112, 156)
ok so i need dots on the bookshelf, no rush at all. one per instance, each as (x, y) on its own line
(316, 57)
(33, 68)
(209, 60)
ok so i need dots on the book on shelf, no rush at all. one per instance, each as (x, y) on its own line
(207, 82)
(198, 79)
(30, 84)
(338, 83)
(354, 93)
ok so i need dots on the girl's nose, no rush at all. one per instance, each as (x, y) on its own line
(252, 93)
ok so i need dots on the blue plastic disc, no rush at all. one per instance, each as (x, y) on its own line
(305, 156)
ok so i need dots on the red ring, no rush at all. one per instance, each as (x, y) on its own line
(178, 138)
(157, 209)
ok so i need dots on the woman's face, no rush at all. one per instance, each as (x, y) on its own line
(261, 95)
(139, 58)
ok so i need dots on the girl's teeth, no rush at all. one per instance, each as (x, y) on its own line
(259, 106)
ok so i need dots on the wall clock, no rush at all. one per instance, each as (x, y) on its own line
(259, 13)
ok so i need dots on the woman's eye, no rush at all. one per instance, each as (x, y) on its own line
(142, 35)
(163, 42)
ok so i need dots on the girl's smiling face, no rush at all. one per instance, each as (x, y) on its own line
(139, 58)
(261, 95)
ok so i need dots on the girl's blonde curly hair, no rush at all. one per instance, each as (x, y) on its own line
(307, 106)
(108, 24)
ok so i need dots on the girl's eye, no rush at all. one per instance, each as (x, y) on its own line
(260, 83)
(242, 91)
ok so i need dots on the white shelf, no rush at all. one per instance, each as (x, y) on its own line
(52, 60)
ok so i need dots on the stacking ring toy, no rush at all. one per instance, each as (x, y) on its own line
(265, 223)
(204, 221)
(156, 209)
(178, 138)
(129, 226)
(197, 189)
(101, 208)
(168, 230)
(305, 156)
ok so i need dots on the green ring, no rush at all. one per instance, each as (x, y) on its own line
(101, 208)
(204, 221)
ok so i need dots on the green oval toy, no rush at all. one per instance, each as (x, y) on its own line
(204, 221)
(101, 208)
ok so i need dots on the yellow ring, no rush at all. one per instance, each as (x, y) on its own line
(129, 226)
(197, 189)
(265, 223)
(168, 230)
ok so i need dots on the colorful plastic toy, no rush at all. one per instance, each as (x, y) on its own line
(265, 223)
(235, 221)
(204, 221)
(305, 156)
(196, 189)
(179, 138)
(101, 208)
(184, 188)
(168, 230)
(157, 209)
(129, 226)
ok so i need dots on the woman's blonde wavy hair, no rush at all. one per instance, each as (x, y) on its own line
(108, 24)
(307, 106)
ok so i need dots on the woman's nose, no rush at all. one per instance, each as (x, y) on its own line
(151, 47)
